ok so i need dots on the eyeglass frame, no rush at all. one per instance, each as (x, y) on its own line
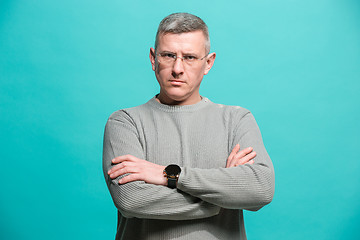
(182, 58)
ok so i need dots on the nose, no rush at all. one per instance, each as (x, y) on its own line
(178, 67)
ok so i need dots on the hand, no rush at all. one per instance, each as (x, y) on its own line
(139, 169)
(237, 157)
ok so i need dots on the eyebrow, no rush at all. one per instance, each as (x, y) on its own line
(184, 54)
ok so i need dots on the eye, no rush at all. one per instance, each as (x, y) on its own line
(168, 55)
(190, 58)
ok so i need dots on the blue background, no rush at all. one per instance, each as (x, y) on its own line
(65, 66)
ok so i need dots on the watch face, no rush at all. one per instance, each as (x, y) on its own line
(172, 170)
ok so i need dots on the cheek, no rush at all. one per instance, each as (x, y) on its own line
(198, 74)
(162, 74)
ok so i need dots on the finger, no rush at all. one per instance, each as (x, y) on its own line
(234, 151)
(250, 162)
(237, 157)
(130, 178)
(122, 158)
(120, 165)
(246, 159)
(243, 153)
(232, 154)
(123, 171)
(115, 168)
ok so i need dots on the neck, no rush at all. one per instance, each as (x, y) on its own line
(168, 101)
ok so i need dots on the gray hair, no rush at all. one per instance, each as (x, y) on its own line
(182, 23)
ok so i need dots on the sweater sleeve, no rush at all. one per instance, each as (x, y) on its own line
(243, 187)
(139, 199)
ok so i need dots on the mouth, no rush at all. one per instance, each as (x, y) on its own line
(176, 82)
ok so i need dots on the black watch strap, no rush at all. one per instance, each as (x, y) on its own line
(172, 182)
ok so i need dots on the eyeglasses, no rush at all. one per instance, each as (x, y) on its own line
(169, 58)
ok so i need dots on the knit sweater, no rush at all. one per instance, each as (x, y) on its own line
(209, 199)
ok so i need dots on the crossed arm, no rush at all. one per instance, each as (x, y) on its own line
(151, 173)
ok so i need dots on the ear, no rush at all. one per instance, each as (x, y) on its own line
(209, 62)
(152, 58)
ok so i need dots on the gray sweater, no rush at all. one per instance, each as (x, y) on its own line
(209, 200)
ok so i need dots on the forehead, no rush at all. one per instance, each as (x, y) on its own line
(182, 42)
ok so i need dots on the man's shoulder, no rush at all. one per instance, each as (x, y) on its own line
(129, 113)
(231, 110)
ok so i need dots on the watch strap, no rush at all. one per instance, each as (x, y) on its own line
(172, 182)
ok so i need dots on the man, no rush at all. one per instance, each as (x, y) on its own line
(181, 166)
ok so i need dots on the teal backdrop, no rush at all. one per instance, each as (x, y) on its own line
(65, 66)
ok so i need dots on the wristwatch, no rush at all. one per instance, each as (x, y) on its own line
(172, 173)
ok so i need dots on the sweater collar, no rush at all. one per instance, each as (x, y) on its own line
(176, 108)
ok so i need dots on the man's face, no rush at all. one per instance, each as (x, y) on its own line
(180, 81)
